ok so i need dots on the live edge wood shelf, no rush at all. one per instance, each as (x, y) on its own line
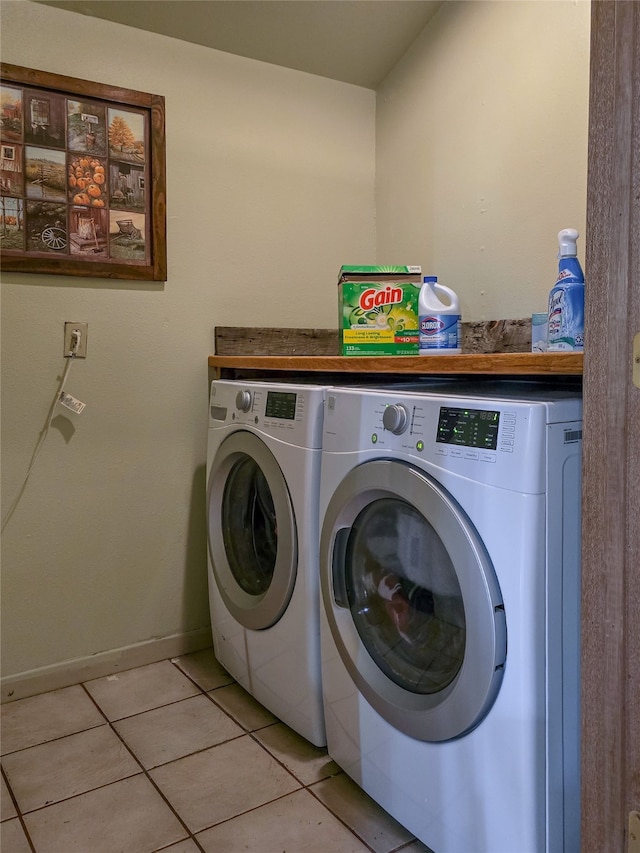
(491, 364)
(491, 348)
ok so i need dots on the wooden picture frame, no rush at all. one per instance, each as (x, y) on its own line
(82, 178)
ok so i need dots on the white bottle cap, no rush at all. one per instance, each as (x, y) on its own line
(567, 242)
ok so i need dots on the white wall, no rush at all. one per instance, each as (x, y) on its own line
(482, 150)
(270, 188)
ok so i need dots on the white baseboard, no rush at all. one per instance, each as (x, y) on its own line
(70, 672)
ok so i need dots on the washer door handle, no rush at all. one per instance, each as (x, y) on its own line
(338, 562)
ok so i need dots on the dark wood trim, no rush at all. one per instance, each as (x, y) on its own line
(54, 264)
(86, 88)
(611, 481)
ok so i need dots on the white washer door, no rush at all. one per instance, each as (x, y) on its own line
(251, 531)
(412, 601)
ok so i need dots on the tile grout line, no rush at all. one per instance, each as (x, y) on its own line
(52, 740)
(307, 787)
(254, 736)
(18, 812)
(211, 690)
(144, 770)
(304, 787)
(338, 818)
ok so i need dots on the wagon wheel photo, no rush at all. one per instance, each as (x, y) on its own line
(54, 238)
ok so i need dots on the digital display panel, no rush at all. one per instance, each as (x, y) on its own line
(281, 404)
(468, 427)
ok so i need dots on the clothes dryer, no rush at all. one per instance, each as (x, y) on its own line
(263, 470)
(449, 565)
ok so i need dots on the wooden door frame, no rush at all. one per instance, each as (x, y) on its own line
(611, 469)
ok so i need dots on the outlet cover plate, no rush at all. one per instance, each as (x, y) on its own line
(69, 329)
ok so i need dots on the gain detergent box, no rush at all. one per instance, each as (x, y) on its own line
(378, 310)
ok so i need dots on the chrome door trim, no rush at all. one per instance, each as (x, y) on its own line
(459, 707)
(252, 611)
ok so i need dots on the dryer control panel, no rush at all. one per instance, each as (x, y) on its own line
(291, 412)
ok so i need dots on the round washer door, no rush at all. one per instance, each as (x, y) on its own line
(412, 601)
(251, 531)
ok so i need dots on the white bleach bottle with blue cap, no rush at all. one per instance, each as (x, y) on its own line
(440, 322)
(566, 300)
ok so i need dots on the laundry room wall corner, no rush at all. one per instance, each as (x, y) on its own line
(105, 550)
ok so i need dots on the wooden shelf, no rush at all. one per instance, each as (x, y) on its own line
(496, 364)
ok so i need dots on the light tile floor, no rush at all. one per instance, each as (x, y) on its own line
(175, 757)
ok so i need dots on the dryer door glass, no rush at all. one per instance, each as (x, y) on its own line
(404, 596)
(249, 526)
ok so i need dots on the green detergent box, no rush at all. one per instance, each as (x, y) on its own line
(378, 310)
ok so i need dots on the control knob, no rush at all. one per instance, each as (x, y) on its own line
(395, 418)
(243, 401)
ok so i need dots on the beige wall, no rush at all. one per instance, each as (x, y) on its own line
(275, 178)
(481, 138)
(270, 188)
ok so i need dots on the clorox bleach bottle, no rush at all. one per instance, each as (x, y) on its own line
(566, 300)
(440, 321)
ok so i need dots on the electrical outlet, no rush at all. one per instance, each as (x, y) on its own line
(71, 346)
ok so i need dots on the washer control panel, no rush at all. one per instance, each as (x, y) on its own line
(499, 440)
(441, 427)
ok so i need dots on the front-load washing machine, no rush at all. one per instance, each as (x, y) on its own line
(263, 480)
(449, 568)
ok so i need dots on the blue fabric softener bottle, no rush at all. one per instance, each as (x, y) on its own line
(566, 300)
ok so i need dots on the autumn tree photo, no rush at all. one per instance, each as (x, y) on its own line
(120, 134)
